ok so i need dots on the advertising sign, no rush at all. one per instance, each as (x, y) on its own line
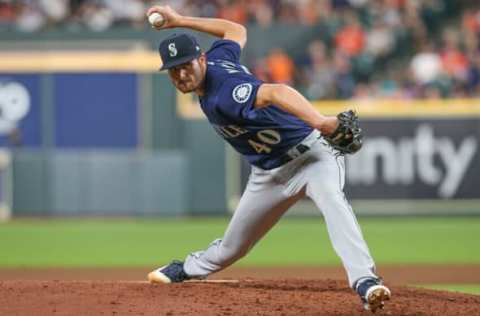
(417, 159)
(420, 159)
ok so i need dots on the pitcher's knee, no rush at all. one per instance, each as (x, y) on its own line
(228, 254)
(324, 191)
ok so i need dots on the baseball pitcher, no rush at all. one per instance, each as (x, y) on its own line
(294, 152)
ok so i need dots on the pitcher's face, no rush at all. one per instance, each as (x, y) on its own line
(189, 76)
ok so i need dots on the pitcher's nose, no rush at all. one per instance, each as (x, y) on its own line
(183, 74)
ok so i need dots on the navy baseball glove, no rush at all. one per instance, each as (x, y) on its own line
(347, 138)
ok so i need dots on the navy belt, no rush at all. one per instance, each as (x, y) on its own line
(301, 148)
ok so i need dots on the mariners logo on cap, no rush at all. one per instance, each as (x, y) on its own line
(242, 92)
(172, 50)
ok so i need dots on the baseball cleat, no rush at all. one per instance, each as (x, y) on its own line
(373, 294)
(171, 273)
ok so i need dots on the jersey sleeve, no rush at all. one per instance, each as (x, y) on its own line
(237, 97)
(225, 49)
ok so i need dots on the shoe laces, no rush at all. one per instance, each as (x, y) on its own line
(174, 271)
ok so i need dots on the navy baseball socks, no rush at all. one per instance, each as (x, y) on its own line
(373, 293)
(171, 273)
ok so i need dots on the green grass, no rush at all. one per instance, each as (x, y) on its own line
(463, 288)
(146, 242)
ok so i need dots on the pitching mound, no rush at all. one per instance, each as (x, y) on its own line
(245, 297)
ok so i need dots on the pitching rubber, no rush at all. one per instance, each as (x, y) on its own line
(212, 281)
(376, 297)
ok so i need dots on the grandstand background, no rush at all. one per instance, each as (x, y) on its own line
(90, 127)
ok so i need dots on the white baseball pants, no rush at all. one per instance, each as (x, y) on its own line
(320, 174)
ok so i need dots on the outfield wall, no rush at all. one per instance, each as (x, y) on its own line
(65, 128)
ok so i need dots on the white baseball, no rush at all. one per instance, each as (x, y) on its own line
(156, 19)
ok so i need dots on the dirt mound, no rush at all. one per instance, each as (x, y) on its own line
(245, 297)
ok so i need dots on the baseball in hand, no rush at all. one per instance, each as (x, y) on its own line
(156, 19)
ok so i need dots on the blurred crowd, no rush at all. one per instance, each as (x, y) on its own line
(97, 15)
(384, 49)
(365, 48)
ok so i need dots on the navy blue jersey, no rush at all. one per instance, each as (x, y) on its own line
(261, 135)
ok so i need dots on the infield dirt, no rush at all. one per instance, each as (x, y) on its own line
(236, 296)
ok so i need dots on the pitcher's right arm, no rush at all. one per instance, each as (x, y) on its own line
(218, 27)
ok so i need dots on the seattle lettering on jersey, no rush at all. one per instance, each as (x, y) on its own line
(230, 131)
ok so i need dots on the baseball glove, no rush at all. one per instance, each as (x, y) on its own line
(347, 138)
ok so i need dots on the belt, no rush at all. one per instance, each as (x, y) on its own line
(301, 148)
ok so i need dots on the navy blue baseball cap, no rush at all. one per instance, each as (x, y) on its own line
(178, 49)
